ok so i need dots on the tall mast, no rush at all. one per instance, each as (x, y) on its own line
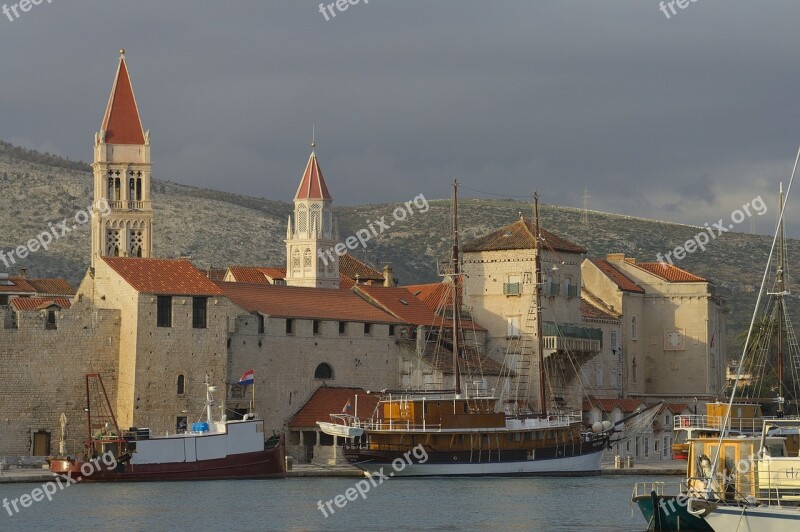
(781, 270)
(538, 266)
(456, 305)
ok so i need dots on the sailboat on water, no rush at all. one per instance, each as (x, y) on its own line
(465, 432)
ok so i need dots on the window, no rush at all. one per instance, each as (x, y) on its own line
(181, 384)
(342, 327)
(323, 371)
(199, 308)
(51, 320)
(164, 311)
(367, 328)
(180, 424)
(391, 330)
(315, 326)
(289, 326)
(513, 326)
(633, 328)
(513, 287)
(613, 339)
(260, 324)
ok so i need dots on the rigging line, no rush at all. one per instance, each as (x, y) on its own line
(525, 197)
(755, 314)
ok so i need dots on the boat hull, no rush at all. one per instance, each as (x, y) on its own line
(261, 464)
(664, 514)
(754, 519)
(395, 464)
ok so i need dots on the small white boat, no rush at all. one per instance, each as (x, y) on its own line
(347, 428)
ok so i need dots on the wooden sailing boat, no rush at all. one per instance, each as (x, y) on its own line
(455, 433)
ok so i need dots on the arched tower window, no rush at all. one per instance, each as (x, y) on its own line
(112, 242)
(316, 218)
(307, 259)
(296, 260)
(181, 384)
(323, 371)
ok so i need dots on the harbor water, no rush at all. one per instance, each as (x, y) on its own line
(600, 503)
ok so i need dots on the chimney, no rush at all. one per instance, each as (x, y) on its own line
(630, 260)
(615, 257)
(388, 275)
(23, 272)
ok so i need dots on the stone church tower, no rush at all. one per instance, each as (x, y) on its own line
(122, 172)
(310, 257)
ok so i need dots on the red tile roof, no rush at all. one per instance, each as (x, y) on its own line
(519, 235)
(16, 285)
(401, 302)
(676, 408)
(669, 272)
(590, 311)
(435, 295)
(38, 303)
(216, 274)
(163, 276)
(121, 121)
(256, 274)
(305, 303)
(52, 287)
(351, 267)
(623, 282)
(329, 400)
(312, 185)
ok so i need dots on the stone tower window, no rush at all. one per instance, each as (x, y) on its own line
(323, 371)
(296, 260)
(316, 218)
(112, 242)
(136, 239)
(307, 259)
(181, 384)
(302, 219)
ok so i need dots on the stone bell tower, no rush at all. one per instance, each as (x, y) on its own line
(122, 172)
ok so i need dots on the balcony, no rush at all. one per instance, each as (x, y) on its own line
(512, 289)
(129, 205)
(571, 338)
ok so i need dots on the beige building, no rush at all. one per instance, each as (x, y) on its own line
(673, 326)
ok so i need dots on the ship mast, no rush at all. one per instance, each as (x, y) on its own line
(456, 306)
(780, 292)
(538, 267)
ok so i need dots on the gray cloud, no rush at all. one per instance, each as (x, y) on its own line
(682, 119)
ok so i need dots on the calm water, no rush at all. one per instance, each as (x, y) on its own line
(563, 504)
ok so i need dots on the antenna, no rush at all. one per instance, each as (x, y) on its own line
(585, 216)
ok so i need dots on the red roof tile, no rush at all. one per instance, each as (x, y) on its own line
(163, 276)
(677, 408)
(351, 267)
(519, 235)
(305, 303)
(590, 311)
(38, 303)
(121, 121)
(16, 285)
(435, 295)
(216, 274)
(255, 275)
(669, 272)
(52, 287)
(312, 185)
(401, 302)
(623, 282)
(329, 400)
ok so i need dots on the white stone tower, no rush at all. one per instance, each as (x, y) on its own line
(310, 240)
(122, 172)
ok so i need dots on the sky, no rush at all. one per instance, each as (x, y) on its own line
(683, 116)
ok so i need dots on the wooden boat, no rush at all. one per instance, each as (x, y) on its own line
(210, 450)
(450, 432)
(746, 418)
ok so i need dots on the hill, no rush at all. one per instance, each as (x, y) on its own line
(217, 228)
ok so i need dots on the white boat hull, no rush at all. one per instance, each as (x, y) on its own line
(342, 431)
(585, 464)
(754, 519)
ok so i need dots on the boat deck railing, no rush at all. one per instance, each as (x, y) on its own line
(522, 423)
(716, 423)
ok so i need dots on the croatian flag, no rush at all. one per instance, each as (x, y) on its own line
(347, 407)
(247, 377)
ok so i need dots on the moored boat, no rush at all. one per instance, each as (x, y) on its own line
(210, 450)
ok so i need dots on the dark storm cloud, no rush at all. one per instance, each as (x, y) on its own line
(683, 119)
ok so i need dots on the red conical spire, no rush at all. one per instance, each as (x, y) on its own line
(312, 186)
(121, 121)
